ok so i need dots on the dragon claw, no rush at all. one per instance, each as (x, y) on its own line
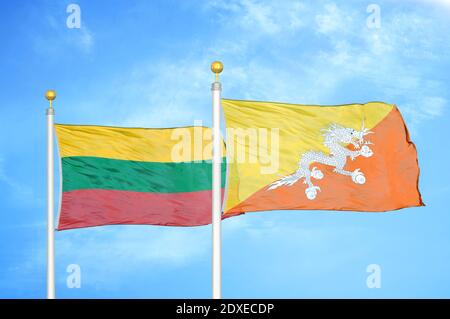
(316, 173)
(358, 177)
(311, 192)
(366, 151)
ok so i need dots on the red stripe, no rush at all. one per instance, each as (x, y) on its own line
(96, 207)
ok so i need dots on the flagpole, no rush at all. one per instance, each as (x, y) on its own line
(216, 88)
(50, 95)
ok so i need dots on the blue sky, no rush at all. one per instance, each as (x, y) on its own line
(146, 63)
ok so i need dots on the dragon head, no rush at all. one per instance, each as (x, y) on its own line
(347, 135)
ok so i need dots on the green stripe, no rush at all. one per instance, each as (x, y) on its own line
(83, 172)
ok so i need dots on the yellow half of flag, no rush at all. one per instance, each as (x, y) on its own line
(347, 157)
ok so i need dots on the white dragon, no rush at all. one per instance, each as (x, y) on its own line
(336, 140)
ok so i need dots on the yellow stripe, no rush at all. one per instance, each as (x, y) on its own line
(136, 144)
(299, 131)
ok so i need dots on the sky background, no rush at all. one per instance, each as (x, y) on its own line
(146, 63)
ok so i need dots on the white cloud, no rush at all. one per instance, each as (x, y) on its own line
(443, 3)
(261, 17)
(59, 38)
(334, 50)
(20, 193)
(425, 108)
(84, 39)
(108, 254)
(140, 244)
(140, 247)
(388, 58)
(434, 106)
(332, 20)
(314, 52)
(169, 94)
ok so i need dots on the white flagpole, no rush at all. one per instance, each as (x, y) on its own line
(50, 95)
(216, 68)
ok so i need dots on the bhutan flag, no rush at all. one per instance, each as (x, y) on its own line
(356, 157)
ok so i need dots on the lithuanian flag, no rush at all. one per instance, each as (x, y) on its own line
(356, 157)
(113, 175)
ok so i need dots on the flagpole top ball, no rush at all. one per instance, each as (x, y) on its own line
(216, 68)
(50, 95)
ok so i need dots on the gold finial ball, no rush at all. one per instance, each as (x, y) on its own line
(50, 95)
(216, 67)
